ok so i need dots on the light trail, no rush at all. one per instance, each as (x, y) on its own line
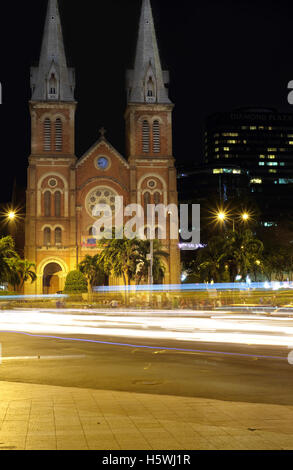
(223, 329)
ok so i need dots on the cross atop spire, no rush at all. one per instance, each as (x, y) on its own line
(52, 80)
(102, 131)
(146, 83)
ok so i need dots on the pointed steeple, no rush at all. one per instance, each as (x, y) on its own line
(52, 80)
(146, 83)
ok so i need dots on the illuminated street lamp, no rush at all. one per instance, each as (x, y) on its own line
(11, 215)
(222, 216)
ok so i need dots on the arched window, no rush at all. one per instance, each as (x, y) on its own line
(58, 236)
(92, 232)
(147, 201)
(53, 85)
(47, 203)
(157, 198)
(47, 236)
(145, 137)
(156, 137)
(57, 204)
(150, 88)
(147, 233)
(47, 135)
(158, 233)
(58, 135)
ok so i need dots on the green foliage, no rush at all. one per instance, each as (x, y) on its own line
(76, 283)
(227, 255)
(93, 269)
(128, 258)
(13, 269)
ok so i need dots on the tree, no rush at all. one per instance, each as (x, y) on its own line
(227, 255)
(209, 260)
(242, 252)
(7, 253)
(121, 257)
(143, 267)
(21, 271)
(76, 283)
(92, 268)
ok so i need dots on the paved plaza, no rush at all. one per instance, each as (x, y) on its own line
(40, 417)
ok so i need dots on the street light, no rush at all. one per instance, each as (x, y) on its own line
(222, 216)
(11, 215)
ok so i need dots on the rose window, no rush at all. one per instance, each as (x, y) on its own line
(101, 196)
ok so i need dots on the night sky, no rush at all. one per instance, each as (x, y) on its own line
(222, 55)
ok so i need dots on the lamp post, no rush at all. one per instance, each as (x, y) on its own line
(223, 216)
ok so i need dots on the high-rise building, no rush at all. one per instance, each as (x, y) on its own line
(63, 190)
(259, 141)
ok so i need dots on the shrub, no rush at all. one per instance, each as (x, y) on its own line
(76, 283)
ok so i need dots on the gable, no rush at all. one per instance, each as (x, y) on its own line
(98, 148)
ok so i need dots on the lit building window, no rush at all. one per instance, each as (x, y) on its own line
(262, 156)
(272, 171)
(253, 128)
(271, 157)
(272, 164)
(272, 150)
(285, 181)
(256, 181)
(261, 163)
(226, 149)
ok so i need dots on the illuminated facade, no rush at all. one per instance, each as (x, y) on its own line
(62, 190)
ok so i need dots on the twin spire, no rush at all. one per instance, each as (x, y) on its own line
(53, 80)
(146, 83)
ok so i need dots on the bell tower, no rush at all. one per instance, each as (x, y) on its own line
(149, 132)
(50, 208)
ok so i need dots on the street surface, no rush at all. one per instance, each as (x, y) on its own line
(216, 355)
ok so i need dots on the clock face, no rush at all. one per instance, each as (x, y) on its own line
(103, 163)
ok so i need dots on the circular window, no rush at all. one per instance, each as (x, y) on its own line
(102, 195)
(53, 183)
(152, 184)
(102, 163)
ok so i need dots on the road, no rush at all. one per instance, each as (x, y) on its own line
(218, 355)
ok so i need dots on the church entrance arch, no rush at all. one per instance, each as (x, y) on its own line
(53, 276)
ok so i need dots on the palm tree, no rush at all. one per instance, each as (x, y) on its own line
(242, 251)
(21, 271)
(144, 263)
(210, 259)
(7, 253)
(26, 272)
(121, 257)
(92, 268)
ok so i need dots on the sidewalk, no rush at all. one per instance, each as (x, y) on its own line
(40, 417)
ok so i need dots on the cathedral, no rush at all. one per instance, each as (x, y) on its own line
(62, 189)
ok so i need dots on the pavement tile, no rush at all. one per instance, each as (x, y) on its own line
(46, 444)
(50, 417)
